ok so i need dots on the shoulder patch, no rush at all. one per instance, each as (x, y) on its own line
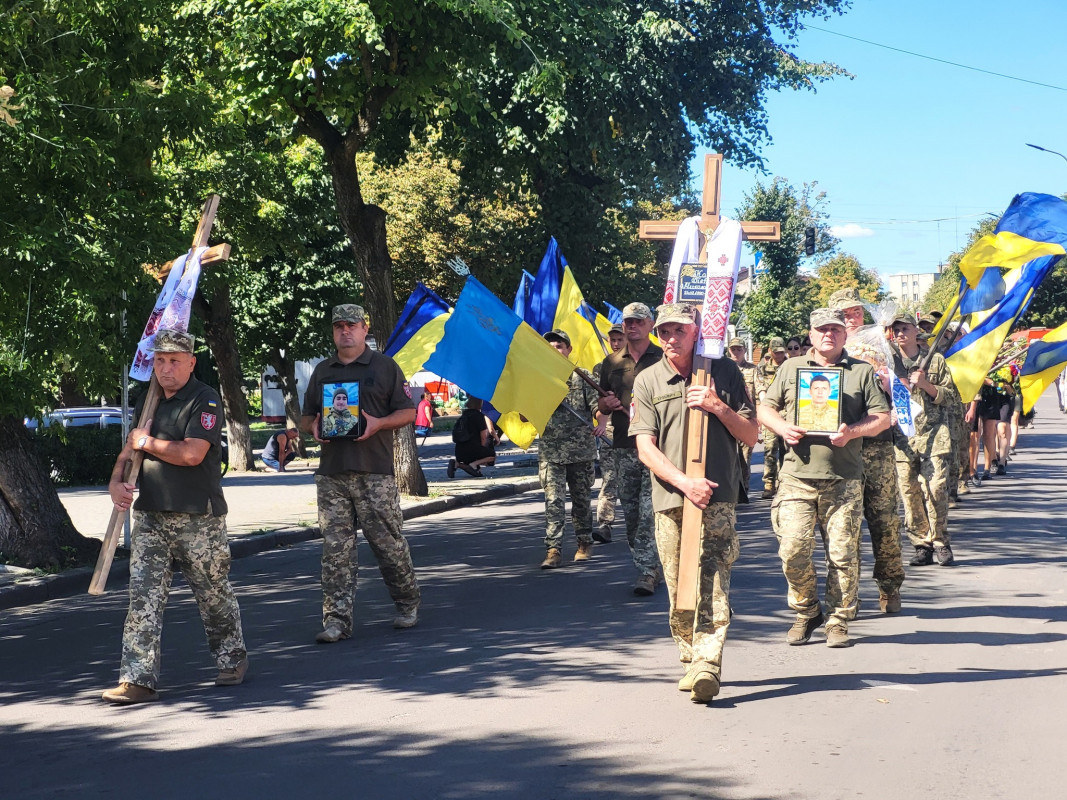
(407, 390)
(207, 421)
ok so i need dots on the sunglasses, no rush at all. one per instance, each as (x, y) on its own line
(793, 347)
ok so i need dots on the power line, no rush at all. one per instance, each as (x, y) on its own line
(939, 60)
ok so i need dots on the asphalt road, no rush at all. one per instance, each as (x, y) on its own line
(523, 683)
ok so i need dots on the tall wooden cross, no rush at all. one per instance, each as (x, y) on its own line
(695, 432)
(219, 252)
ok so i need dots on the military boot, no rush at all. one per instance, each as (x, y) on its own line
(585, 549)
(553, 560)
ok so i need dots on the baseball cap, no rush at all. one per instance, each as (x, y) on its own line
(169, 340)
(349, 312)
(776, 344)
(845, 298)
(637, 311)
(737, 341)
(685, 313)
(557, 335)
(826, 316)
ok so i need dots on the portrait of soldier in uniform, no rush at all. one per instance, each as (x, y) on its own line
(818, 409)
(339, 419)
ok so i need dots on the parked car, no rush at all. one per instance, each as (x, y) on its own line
(81, 417)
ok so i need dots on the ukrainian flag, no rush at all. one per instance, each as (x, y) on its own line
(1045, 361)
(1034, 225)
(522, 295)
(492, 354)
(971, 357)
(419, 329)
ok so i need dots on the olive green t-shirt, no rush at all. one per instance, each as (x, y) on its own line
(193, 412)
(659, 410)
(382, 390)
(814, 457)
(617, 374)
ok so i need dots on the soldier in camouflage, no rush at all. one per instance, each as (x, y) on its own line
(772, 444)
(609, 490)
(822, 482)
(181, 519)
(635, 485)
(880, 495)
(922, 460)
(565, 455)
(663, 397)
(754, 384)
(355, 484)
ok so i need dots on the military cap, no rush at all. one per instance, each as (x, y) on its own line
(558, 336)
(826, 316)
(169, 340)
(776, 344)
(616, 328)
(904, 317)
(737, 341)
(349, 312)
(933, 317)
(845, 298)
(637, 311)
(685, 313)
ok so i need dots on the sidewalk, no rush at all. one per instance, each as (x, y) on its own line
(270, 509)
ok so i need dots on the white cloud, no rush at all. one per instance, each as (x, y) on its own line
(851, 230)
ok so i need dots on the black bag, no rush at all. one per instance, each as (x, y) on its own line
(463, 431)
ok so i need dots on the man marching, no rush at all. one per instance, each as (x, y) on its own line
(354, 483)
(754, 384)
(181, 519)
(661, 400)
(821, 482)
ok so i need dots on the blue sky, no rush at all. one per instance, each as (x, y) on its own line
(909, 141)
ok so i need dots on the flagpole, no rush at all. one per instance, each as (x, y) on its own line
(925, 362)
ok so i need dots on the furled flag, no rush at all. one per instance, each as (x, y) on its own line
(522, 295)
(492, 354)
(417, 332)
(173, 308)
(1045, 360)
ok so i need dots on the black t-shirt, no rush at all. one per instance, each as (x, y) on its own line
(194, 412)
(382, 390)
(617, 374)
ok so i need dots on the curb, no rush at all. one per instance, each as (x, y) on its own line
(75, 581)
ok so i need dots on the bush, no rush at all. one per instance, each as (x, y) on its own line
(79, 456)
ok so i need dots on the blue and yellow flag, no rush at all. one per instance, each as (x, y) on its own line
(522, 295)
(1034, 225)
(417, 332)
(614, 314)
(1045, 360)
(971, 357)
(492, 354)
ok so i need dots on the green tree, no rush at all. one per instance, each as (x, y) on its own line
(782, 299)
(83, 113)
(844, 271)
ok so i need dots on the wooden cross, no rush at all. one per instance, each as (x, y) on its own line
(219, 252)
(695, 434)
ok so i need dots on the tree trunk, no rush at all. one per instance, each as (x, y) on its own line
(364, 225)
(221, 338)
(35, 529)
(286, 373)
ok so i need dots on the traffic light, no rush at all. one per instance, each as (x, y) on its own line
(809, 241)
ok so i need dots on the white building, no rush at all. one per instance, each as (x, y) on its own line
(911, 288)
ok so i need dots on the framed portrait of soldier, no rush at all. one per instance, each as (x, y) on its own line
(340, 411)
(818, 406)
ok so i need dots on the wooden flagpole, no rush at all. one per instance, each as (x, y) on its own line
(148, 411)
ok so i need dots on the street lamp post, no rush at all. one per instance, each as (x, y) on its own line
(1046, 150)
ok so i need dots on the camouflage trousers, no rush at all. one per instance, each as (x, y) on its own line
(371, 501)
(197, 544)
(880, 503)
(609, 491)
(960, 463)
(556, 479)
(745, 453)
(923, 486)
(772, 447)
(836, 506)
(701, 635)
(635, 493)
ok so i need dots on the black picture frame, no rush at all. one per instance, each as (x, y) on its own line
(344, 422)
(818, 410)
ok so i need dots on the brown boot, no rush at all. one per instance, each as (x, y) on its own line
(126, 694)
(234, 676)
(890, 603)
(553, 560)
(705, 683)
(585, 549)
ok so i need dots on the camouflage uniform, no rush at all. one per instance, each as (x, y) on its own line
(197, 544)
(700, 636)
(837, 504)
(880, 502)
(373, 500)
(338, 423)
(609, 491)
(565, 455)
(635, 493)
(772, 445)
(923, 460)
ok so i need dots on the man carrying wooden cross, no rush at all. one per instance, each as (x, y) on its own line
(662, 397)
(181, 518)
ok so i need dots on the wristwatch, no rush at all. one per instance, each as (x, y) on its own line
(141, 442)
